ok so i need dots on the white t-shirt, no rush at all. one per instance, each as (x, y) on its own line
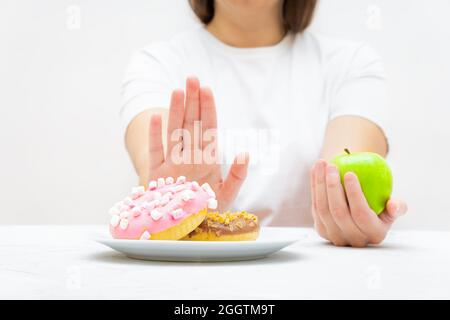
(273, 101)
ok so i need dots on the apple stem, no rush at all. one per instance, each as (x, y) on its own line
(347, 151)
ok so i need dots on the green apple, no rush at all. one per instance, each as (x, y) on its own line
(373, 173)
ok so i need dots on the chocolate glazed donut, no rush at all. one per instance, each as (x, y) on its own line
(228, 226)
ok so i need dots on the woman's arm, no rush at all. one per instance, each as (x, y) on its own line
(343, 216)
(355, 134)
(137, 141)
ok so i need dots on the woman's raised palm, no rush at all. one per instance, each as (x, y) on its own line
(192, 144)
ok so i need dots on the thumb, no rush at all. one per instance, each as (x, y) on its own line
(232, 184)
(394, 209)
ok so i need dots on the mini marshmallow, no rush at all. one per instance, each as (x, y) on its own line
(179, 188)
(169, 180)
(145, 235)
(124, 214)
(156, 215)
(165, 199)
(114, 210)
(123, 207)
(149, 206)
(161, 182)
(128, 201)
(187, 195)
(168, 194)
(195, 186)
(136, 212)
(152, 185)
(212, 203)
(114, 221)
(157, 195)
(123, 224)
(181, 179)
(136, 192)
(154, 203)
(208, 189)
(176, 214)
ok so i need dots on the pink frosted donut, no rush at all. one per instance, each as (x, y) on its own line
(164, 204)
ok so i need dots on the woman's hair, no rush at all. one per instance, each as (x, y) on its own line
(297, 14)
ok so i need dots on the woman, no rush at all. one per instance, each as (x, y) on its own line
(312, 95)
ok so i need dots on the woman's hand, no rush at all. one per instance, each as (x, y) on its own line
(344, 217)
(186, 154)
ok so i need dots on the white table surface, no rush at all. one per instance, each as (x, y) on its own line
(63, 262)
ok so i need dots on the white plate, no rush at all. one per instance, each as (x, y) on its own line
(271, 240)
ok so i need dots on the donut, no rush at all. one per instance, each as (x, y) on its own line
(228, 226)
(165, 210)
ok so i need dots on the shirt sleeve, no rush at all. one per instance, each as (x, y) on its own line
(146, 85)
(361, 91)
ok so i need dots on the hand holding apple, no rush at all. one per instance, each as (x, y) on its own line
(373, 174)
(341, 212)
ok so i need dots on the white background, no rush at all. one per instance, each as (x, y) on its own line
(62, 155)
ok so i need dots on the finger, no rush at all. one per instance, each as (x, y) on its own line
(191, 112)
(235, 179)
(333, 231)
(394, 209)
(175, 122)
(156, 149)
(318, 224)
(207, 114)
(339, 210)
(364, 217)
